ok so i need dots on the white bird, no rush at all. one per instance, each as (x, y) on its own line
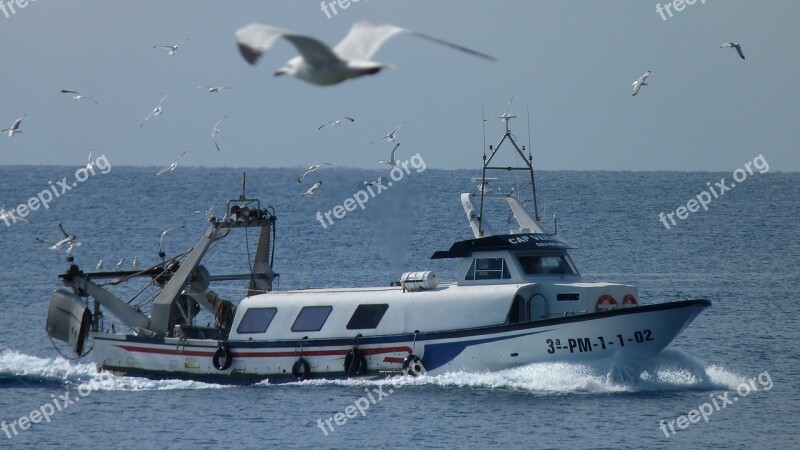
(312, 189)
(161, 240)
(214, 89)
(135, 262)
(641, 82)
(14, 128)
(172, 166)
(366, 183)
(735, 45)
(118, 265)
(319, 64)
(337, 121)
(8, 216)
(172, 48)
(71, 249)
(312, 168)
(392, 161)
(157, 110)
(78, 96)
(391, 135)
(99, 265)
(68, 239)
(89, 162)
(216, 131)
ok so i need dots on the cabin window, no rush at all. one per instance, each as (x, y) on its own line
(367, 317)
(312, 318)
(488, 269)
(256, 320)
(546, 265)
(572, 297)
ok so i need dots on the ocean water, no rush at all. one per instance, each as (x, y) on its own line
(743, 254)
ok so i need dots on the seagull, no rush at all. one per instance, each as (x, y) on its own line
(78, 96)
(209, 216)
(161, 241)
(156, 111)
(735, 45)
(172, 48)
(14, 128)
(8, 216)
(71, 248)
(337, 121)
(68, 239)
(214, 89)
(391, 136)
(118, 265)
(312, 189)
(392, 161)
(366, 183)
(172, 166)
(89, 162)
(641, 82)
(321, 65)
(216, 131)
(313, 168)
(135, 262)
(99, 265)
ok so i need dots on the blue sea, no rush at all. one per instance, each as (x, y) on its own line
(743, 254)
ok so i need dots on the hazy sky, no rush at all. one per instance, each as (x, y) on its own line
(573, 62)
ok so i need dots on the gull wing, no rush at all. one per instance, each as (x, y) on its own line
(257, 38)
(70, 91)
(739, 49)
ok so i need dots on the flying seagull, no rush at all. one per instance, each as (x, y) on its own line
(392, 161)
(391, 135)
(321, 65)
(735, 45)
(172, 48)
(156, 111)
(312, 168)
(641, 82)
(172, 166)
(68, 239)
(312, 189)
(337, 121)
(216, 131)
(78, 96)
(14, 128)
(161, 240)
(214, 89)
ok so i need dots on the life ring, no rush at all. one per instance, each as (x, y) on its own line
(355, 364)
(606, 302)
(412, 366)
(301, 370)
(629, 300)
(222, 357)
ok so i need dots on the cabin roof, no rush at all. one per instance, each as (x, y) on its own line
(512, 242)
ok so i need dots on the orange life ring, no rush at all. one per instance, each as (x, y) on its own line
(606, 302)
(629, 300)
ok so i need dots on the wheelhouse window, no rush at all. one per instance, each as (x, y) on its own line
(546, 265)
(256, 320)
(312, 318)
(488, 269)
(367, 317)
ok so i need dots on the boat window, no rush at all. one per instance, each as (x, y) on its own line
(311, 318)
(367, 317)
(572, 297)
(546, 265)
(488, 269)
(256, 320)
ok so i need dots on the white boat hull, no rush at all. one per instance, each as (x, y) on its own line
(640, 330)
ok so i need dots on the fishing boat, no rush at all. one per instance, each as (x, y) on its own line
(518, 299)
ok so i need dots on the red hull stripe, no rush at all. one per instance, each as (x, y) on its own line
(365, 352)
